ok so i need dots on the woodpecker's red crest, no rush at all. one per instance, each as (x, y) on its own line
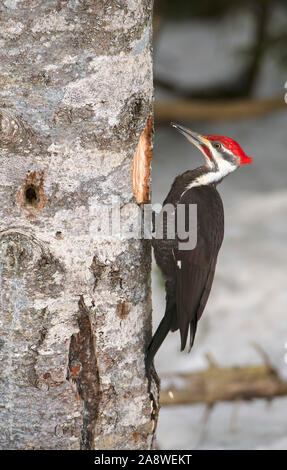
(232, 146)
(222, 154)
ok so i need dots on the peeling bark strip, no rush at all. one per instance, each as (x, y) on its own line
(83, 371)
(141, 165)
(75, 308)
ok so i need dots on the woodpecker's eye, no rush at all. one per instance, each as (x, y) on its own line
(217, 145)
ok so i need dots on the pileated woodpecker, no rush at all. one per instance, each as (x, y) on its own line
(189, 273)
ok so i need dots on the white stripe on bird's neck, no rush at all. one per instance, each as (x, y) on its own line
(216, 172)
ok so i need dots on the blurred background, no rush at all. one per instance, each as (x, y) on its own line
(220, 67)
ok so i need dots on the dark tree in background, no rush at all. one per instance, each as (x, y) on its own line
(266, 40)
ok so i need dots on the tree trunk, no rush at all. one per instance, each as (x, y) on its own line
(76, 94)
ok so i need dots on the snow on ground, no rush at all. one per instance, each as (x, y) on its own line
(249, 296)
(255, 425)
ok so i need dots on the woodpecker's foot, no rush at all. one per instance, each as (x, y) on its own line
(148, 368)
(151, 372)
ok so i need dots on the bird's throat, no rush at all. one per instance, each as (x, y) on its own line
(208, 176)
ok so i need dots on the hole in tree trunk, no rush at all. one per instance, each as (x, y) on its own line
(31, 196)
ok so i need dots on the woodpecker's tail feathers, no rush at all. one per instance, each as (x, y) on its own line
(191, 327)
(167, 323)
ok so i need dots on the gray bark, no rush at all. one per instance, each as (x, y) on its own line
(76, 94)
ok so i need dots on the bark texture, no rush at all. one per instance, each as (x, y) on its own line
(76, 94)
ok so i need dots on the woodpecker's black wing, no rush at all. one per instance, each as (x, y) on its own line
(195, 268)
(194, 278)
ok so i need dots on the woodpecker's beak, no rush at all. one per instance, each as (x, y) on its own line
(193, 137)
